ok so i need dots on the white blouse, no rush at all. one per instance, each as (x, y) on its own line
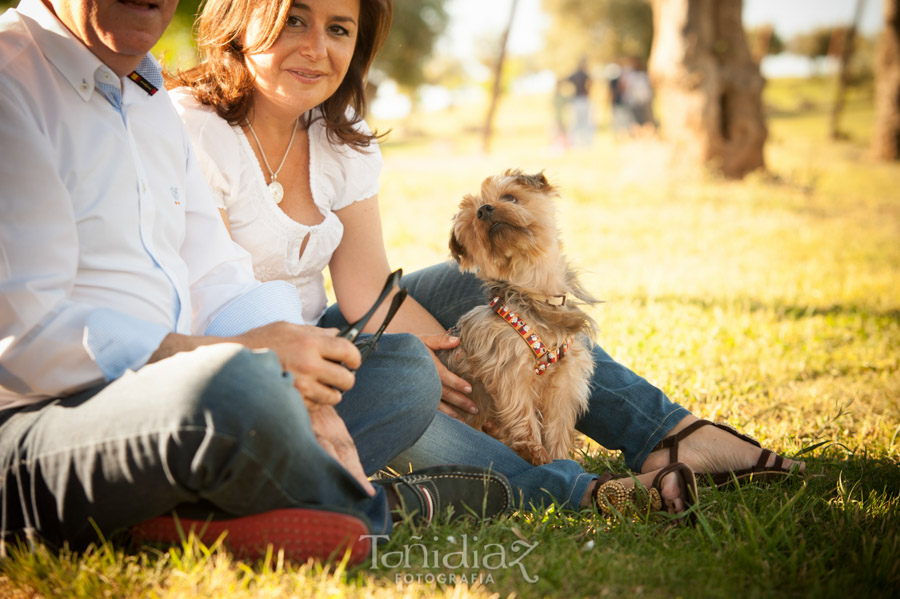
(338, 176)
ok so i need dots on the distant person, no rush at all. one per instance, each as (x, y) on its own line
(583, 123)
(638, 96)
(619, 113)
(560, 139)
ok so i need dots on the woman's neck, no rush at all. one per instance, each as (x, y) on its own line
(270, 122)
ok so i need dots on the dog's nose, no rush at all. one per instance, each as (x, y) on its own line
(485, 212)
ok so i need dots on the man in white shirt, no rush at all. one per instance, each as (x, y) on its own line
(129, 384)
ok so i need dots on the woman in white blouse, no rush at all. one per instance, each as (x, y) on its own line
(275, 113)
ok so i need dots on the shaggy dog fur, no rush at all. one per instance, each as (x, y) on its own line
(507, 236)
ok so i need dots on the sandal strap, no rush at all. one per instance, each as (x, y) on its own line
(760, 470)
(730, 429)
(671, 443)
(763, 458)
(778, 464)
(687, 484)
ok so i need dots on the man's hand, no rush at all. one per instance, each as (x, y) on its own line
(320, 362)
(332, 435)
(454, 390)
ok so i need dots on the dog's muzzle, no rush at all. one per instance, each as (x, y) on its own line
(485, 212)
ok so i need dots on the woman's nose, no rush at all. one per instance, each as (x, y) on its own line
(313, 45)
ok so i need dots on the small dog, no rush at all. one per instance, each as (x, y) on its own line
(527, 353)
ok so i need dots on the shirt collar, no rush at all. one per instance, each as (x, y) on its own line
(75, 62)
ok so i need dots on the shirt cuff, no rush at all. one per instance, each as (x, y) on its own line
(118, 343)
(273, 301)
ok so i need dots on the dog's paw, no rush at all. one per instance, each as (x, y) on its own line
(490, 427)
(536, 454)
(539, 456)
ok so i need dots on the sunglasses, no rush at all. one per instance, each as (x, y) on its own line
(352, 331)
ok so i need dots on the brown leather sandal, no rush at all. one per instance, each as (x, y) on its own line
(611, 496)
(758, 473)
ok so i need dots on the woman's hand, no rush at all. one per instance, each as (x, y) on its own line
(332, 435)
(454, 390)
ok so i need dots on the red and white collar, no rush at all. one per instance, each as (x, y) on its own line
(545, 356)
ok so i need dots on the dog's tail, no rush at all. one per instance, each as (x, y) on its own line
(579, 292)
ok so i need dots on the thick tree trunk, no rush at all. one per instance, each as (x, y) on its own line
(886, 137)
(708, 86)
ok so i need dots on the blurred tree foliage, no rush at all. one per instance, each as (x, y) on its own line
(416, 28)
(763, 41)
(813, 43)
(602, 30)
(828, 41)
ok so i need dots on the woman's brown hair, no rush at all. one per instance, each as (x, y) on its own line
(223, 82)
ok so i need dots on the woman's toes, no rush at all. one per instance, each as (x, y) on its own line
(671, 494)
(669, 490)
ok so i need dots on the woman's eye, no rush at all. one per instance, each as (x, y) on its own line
(338, 30)
(509, 198)
(294, 21)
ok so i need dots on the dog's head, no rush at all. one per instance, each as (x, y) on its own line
(506, 228)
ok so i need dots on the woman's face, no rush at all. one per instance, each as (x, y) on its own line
(308, 61)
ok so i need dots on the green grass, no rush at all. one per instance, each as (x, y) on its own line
(771, 303)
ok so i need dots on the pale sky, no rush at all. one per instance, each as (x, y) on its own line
(472, 20)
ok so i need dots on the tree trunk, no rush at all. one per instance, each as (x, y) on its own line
(708, 86)
(498, 81)
(886, 138)
(846, 45)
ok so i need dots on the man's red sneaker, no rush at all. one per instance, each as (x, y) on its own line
(300, 533)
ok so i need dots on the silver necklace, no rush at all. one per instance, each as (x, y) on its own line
(275, 187)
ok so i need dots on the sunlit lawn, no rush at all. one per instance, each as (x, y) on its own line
(771, 303)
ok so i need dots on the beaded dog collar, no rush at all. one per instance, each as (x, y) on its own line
(545, 356)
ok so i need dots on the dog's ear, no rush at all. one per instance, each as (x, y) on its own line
(457, 251)
(536, 181)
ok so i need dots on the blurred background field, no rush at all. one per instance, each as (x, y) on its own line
(770, 302)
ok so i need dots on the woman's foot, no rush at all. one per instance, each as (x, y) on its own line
(675, 488)
(717, 451)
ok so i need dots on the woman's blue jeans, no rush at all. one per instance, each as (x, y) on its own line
(626, 412)
(220, 428)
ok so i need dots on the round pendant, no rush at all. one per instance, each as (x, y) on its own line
(277, 191)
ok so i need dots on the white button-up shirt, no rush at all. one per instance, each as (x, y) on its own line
(109, 238)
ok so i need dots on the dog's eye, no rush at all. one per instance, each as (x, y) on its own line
(509, 198)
